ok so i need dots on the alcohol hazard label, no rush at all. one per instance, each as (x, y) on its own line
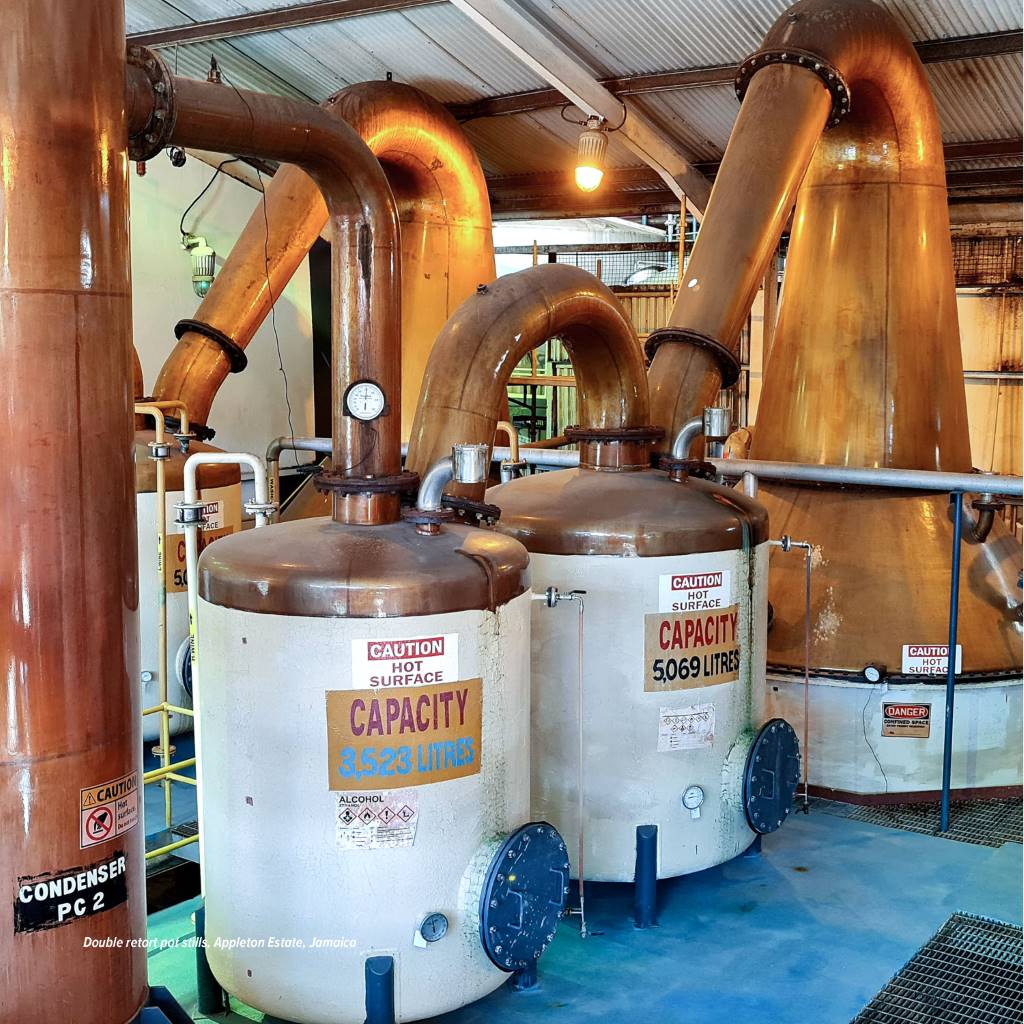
(689, 728)
(906, 719)
(694, 591)
(60, 897)
(413, 661)
(692, 649)
(431, 734)
(377, 821)
(930, 659)
(109, 810)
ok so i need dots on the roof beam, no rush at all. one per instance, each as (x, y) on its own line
(542, 52)
(933, 51)
(271, 20)
(643, 180)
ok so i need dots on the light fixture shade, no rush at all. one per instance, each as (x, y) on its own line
(590, 154)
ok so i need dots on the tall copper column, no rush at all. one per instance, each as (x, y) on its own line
(68, 573)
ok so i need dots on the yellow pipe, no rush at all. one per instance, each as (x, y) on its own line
(158, 774)
(156, 410)
(170, 848)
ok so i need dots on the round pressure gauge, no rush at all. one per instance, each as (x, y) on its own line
(364, 400)
(873, 673)
(693, 797)
(434, 927)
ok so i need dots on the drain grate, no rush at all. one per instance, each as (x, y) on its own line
(969, 972)
(982, 822)
(185, 829)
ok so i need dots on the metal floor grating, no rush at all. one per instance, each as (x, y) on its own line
(981, 822)
(186, 829)
(969, 972)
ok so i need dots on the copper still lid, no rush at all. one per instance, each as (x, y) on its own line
(145, 467)
(317, 567)
(586, 512)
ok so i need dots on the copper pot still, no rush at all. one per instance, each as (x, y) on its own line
(866, 370)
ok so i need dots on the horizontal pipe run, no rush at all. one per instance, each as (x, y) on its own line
(171, 847)
(160, 773)
(900, 479)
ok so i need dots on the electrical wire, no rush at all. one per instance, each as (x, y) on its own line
(864, 729)
(202, 192)
(266, 271)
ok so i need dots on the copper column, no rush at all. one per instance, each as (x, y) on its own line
(68, 572)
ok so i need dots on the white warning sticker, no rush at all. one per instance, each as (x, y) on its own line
(109, 810)
(412, 661)
(688, 728)
(930, 659)
(694, 591)
(377, 821)
(213, 513)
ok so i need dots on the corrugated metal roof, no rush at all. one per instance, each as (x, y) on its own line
(979, 99)
(445, 53)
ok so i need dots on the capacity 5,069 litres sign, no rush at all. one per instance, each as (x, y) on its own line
(684, 651)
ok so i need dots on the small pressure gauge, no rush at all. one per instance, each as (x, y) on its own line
(874, 673)
(434, 927)
(693, 797)
(364, 400)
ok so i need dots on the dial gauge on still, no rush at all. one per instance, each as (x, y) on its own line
(693, 797)
(364, 400)
(434, 927)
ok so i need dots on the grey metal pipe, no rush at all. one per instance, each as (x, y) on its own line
(691, 430)
(467, 464)
(901, 479)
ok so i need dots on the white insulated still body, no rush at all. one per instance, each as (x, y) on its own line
(224, 513)
(644, 746)
(286, 852)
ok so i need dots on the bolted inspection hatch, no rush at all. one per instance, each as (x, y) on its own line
(969, 972)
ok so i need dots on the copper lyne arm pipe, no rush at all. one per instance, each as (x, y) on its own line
(365, 273)
(474, 356)
(447, 248)
(824, 65)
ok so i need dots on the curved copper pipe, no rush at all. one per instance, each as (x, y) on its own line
(474, 356)
(365, 276)
(447, 248)
(69, 663)
(868, 301)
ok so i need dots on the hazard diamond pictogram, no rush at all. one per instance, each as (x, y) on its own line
(406, 813)
(347, 817)
(366, 815)
(386, 814)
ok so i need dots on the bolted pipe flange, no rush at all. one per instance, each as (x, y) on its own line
(828, 73)
(473, 513)
(159, 450)
(184, 440)
(260, 508)
(728, 364)
(333, 482)
(190, 513)
(156, 135)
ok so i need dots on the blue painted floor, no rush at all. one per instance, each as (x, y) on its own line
(805, 933)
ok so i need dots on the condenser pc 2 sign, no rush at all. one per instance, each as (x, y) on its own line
(930, 659)
(692, 649)
(913, 720)
(405, 737)
(693, 591)
(57, 898)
